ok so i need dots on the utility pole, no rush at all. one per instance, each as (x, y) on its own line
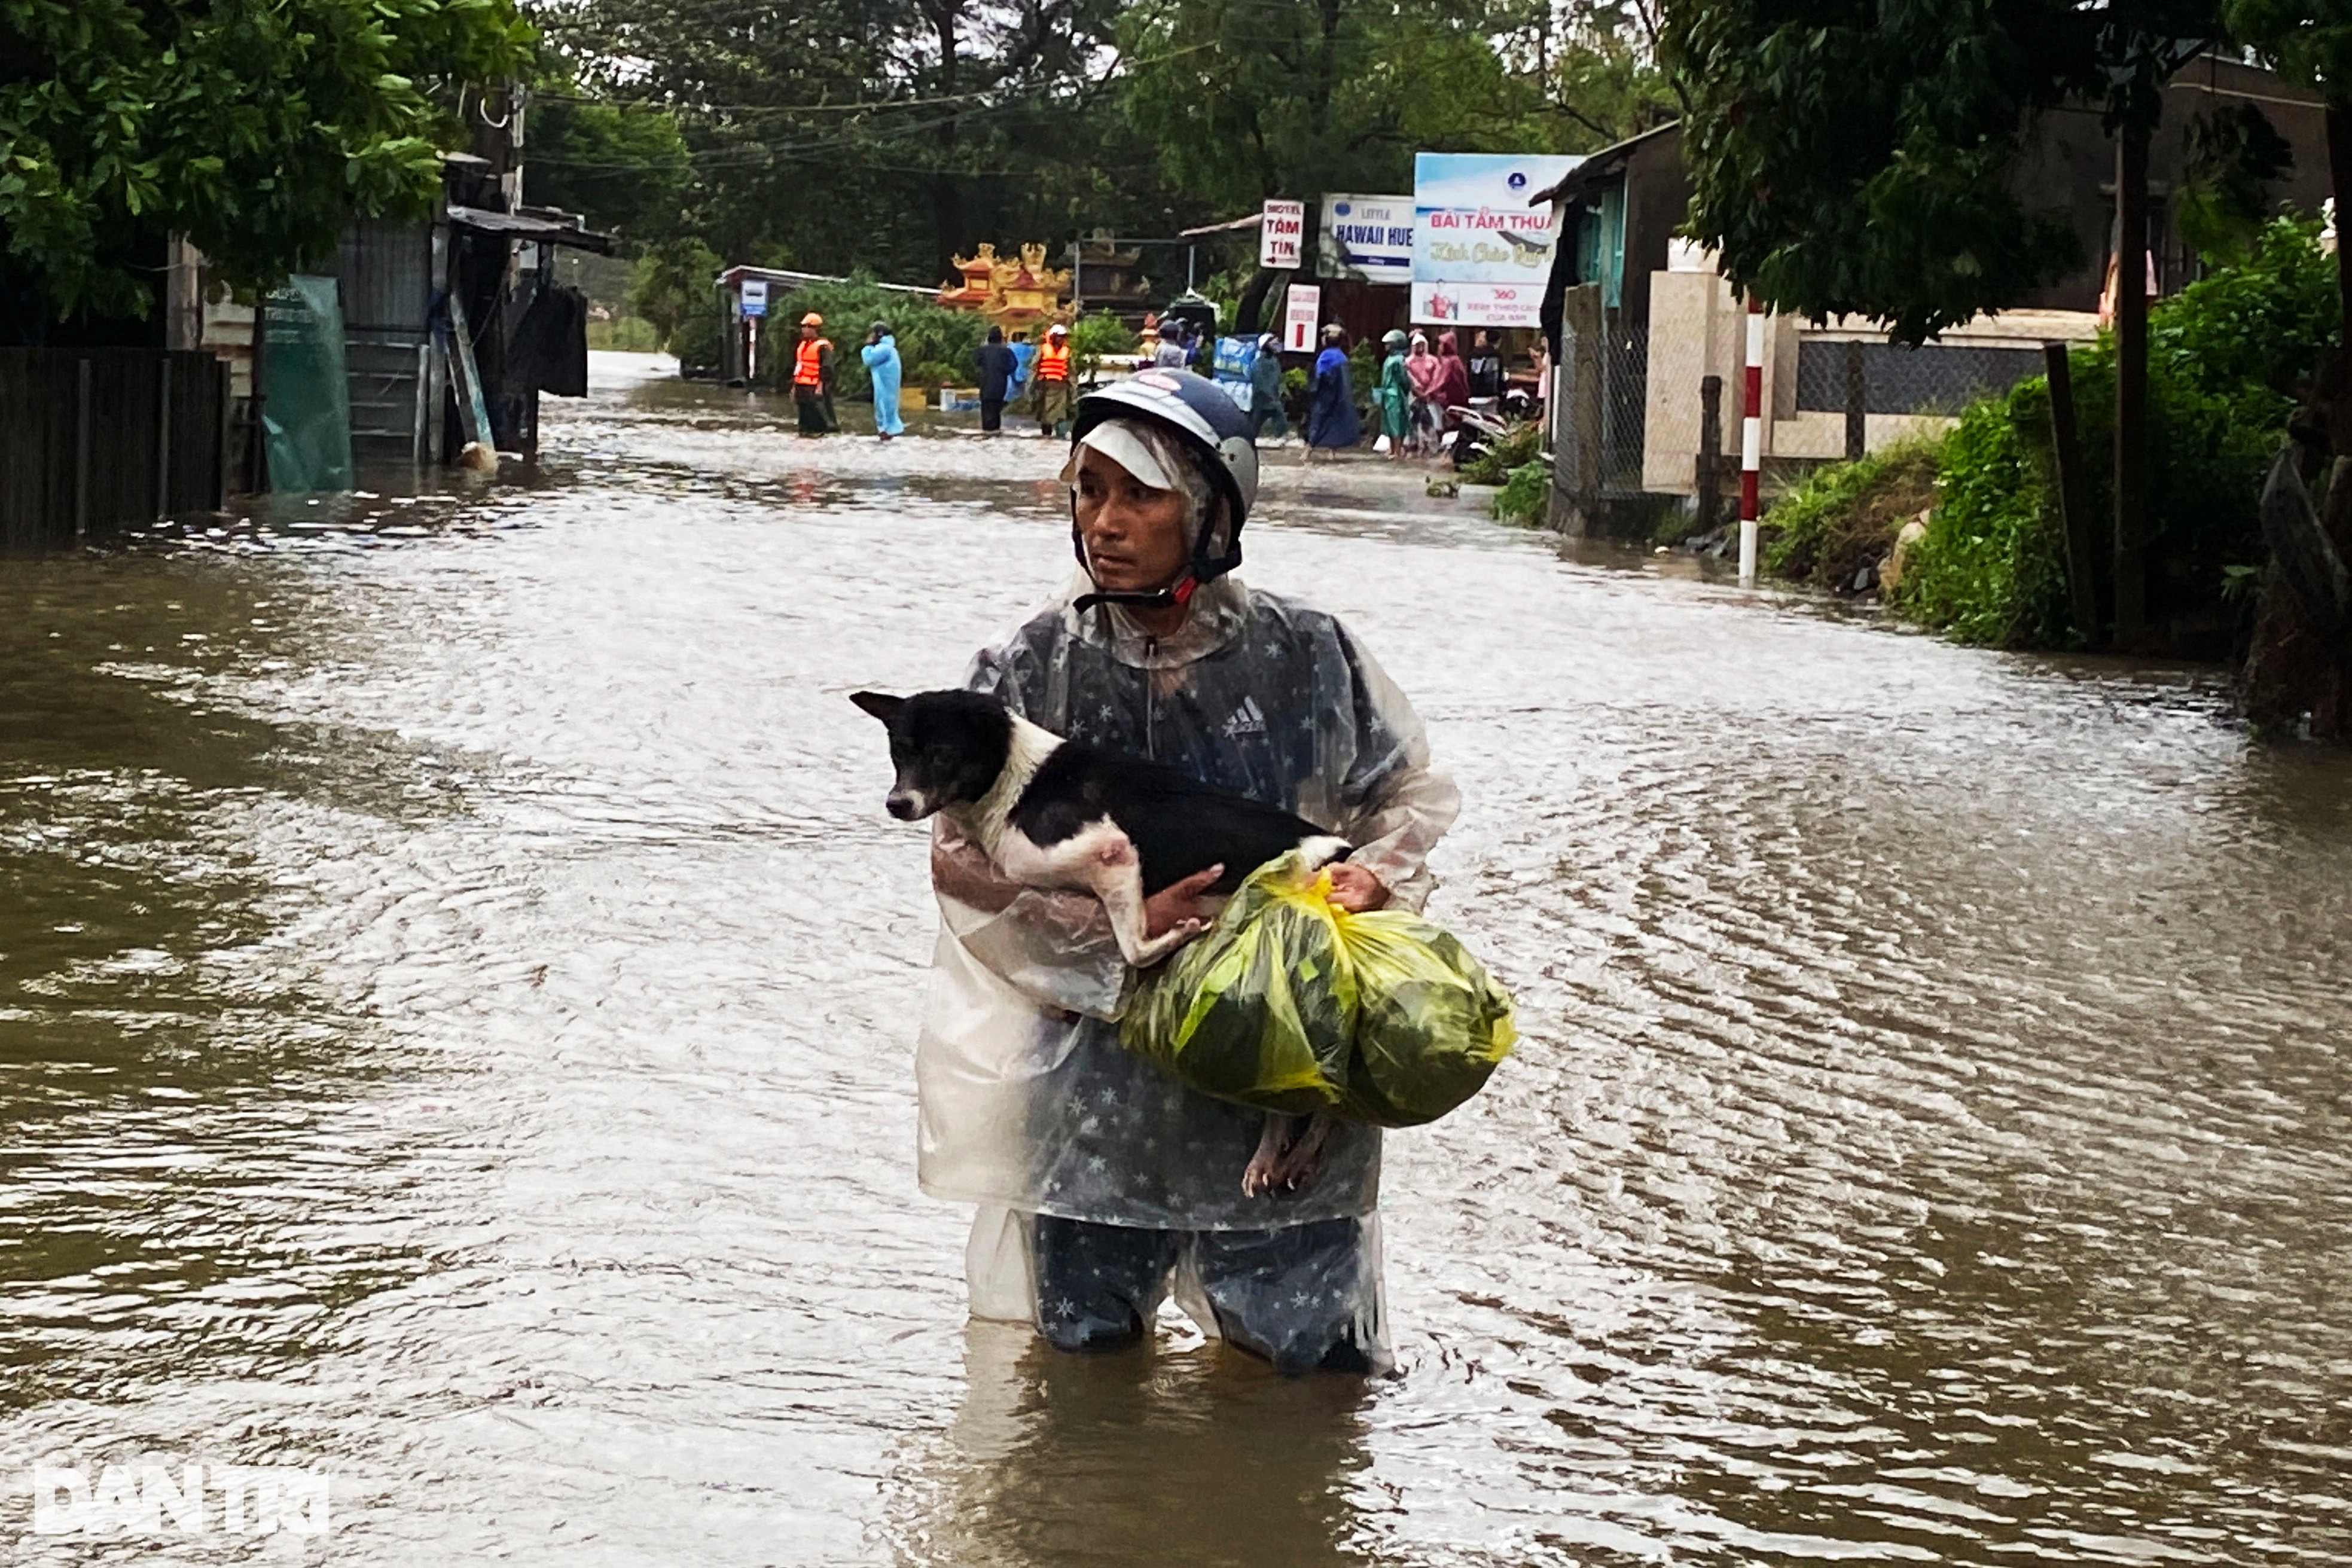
(497, 138)
(1751, 442)
(2131, 383)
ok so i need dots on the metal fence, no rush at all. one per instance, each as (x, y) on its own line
(1625, 392)
(1934, 378)
(93, 438)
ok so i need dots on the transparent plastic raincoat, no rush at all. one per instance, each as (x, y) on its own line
(1030, 1105)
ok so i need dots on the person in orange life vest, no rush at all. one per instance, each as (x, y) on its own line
(1049, 381)
(813, 378)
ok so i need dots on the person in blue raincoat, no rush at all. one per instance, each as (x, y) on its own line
(1024, 354)
(1331, 421)
(881, 356)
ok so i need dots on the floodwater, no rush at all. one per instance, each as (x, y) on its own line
(456, 987)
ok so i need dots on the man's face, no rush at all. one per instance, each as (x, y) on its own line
(807, 331)
(1134, 534)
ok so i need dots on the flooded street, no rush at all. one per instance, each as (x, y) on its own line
(457, 991)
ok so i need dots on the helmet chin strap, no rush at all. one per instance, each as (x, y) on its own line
(1173, 598)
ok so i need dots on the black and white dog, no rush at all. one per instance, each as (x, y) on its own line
(1060, 814)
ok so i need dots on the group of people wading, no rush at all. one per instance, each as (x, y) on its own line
(1414, 400)
(1001, 373)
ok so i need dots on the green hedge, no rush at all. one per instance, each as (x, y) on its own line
(935, 345)
(2225, 355)
(1098, 336)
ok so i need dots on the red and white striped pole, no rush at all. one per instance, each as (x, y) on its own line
(1751, 441)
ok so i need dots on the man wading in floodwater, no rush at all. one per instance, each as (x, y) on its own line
(1103, 1184)
(813, 378)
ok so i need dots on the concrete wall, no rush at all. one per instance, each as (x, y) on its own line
(1697, 330)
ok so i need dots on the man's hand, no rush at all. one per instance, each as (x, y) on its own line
(1174, 904)
(1355, 889)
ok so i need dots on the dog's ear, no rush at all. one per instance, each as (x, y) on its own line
(880, 704)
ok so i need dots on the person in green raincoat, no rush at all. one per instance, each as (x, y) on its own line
(1394, 394)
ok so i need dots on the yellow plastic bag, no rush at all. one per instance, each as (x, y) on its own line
(1287, 1003)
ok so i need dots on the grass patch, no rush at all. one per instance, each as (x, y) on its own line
(1522, 498)
(1674, 525)
(1845, 516)
(629, 335)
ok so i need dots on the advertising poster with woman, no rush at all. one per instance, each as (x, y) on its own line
(1481, 256)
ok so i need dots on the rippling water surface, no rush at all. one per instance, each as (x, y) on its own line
(456, 987)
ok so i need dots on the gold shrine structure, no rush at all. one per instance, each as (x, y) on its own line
(1016, 295)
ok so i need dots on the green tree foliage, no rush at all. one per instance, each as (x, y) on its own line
(886, 133)
(2219, 354)
(1856, 156)
(893, 134)
(2252, 329)
(1251, 98)
(256, 127)
(1594, 66)
(674, 290)
(2310, 41)
(622, 166)
(2234, 154)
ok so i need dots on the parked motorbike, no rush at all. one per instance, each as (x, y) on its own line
(1474, 430)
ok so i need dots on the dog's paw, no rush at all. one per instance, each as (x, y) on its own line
(1300, 1161)
(1259, 1176)
(1151, 953)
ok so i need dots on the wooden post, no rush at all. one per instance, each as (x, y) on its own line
(163, 434)
(81, 452)
(1581, 368)
(2131, 386)
(2081, 579)
(1574, 408)
(256, 448)
(223, 398)
(495, 140)
(1857, 403)
(1710, 451)
(184, 300)
(418, 451)
(1752, 442)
